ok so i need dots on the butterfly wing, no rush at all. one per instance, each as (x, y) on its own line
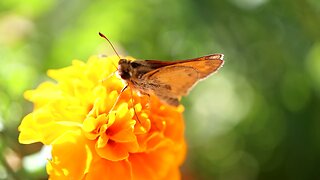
(175, 80)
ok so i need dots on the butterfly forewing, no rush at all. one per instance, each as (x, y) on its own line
(175, 79)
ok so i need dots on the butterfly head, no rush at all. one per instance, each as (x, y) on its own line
(125, 69)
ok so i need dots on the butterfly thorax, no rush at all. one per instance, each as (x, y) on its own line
(132, 70)
(125, 69)
(133, 73)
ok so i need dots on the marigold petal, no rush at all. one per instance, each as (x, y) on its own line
(102, 140)
(144, 165)
(117, 151)
(153, 165)
(39, 126)
(90, 124)
(122, 130)
(109, 170)
(157, 140)
(173, 174)
(46, 91)
(71, 157)
(124, 135)
(143, 125)
(122, 111)
(111, 119)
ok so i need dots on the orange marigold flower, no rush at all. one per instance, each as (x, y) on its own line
(94, 136)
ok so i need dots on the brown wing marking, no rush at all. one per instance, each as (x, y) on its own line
(169, 100)
(158, 64)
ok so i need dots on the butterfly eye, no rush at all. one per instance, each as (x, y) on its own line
(135, 65)
(122, 61)
(125, 75)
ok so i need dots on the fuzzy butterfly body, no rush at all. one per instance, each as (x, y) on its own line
(168, 80)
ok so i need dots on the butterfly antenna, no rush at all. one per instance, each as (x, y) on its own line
(103, 36)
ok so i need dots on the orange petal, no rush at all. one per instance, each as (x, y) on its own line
(124, 135)
(109, 170)
(114, 151)
(152, 166)
(173, 174)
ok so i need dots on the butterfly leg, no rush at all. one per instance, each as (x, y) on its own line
(106, 78)
(123, 89)
(141, 93)
(148, 105)
(114, 104)
(134, 110)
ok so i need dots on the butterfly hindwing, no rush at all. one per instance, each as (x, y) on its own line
(173, 81)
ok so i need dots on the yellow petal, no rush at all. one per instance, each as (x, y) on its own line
(40, 126)
(71, 157)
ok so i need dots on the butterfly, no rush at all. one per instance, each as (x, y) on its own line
(169, 81)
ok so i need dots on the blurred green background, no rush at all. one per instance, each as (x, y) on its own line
(258, 118)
